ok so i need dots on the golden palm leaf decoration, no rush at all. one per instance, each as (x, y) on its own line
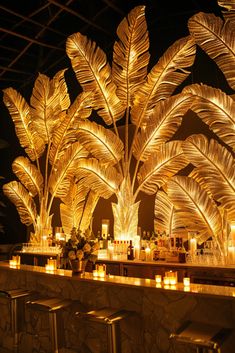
(47, 104)
(94, 74)
(228, 9)
(125, 211)
(131, 56)
(129, 89)
(165, 120)
(65, 170)
(186, 194)
(100, 142)
(215, 36)
(24, 203)
(50, 121)
(216, 109)
(156, 171)
(102, 179)
(29, 175)
(65, 133)
(78, 207)
(167, 219)
(20, 112)
(162, 80)
(215, 168)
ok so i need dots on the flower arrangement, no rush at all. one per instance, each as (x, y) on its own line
(80, 247)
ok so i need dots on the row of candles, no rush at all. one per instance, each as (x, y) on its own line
(171, 278)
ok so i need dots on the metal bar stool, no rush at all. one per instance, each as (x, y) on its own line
(16, 312)
(52, 306)
(205, 337)
(110, 317)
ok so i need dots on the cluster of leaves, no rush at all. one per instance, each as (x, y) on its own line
(46, 130)
(204, 200)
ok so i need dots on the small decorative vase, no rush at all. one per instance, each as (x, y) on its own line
(78, 266)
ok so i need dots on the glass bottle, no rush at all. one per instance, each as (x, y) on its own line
(130, 251)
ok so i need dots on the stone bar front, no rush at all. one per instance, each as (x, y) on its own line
(158, 310)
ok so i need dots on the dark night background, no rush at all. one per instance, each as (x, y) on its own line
(167, 22)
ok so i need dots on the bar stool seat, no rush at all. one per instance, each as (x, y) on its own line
(205, 337)
(52, 306)
(16, 312)
(111, 317)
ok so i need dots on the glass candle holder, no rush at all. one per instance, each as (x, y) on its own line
(158, 278)
(186, 281)
(166, 280)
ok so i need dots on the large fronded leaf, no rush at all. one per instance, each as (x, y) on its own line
(156, 171)
(217, 39)
(131, 56)
(94, 74)
(49, 101)
(186, 194)
(72, 208)
(165, 120)
(28, 174)
(19, 110)
(101, 142)
(228, 9)
(82, 106)
(125, 211)
(163, 79)
(65, 170)
(88, 209)
(65, 134)
(24, 203)
(102, 179)
(60, 92)
(215, 168)
(167, 219)
(216, 109)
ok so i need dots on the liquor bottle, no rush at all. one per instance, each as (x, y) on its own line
(130, 251)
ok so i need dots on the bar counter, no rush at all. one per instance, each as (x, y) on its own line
(159, 310)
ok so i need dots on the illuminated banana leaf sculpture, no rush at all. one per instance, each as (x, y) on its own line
(144, 99)
(207, 195)
(45, 130)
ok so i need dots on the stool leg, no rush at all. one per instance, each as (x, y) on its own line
(112, 338)
(201, 350)
(14, 324)
(53, 331)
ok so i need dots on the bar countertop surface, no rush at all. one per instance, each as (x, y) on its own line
(194, 289)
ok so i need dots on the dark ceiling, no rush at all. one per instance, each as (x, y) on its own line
(33, 32)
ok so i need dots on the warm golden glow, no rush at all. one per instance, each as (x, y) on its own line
(129, 85)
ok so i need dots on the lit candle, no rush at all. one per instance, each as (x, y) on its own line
(172, 281)
(193, 245)
(12, 263)
(147, 254)
(186, 281)
(166, 280)
(105, 228)
(232, 232)
(95, 273)
(158, 278)
(51, 265)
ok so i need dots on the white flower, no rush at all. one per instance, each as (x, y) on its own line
(80, 254)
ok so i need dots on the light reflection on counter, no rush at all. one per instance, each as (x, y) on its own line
(203, 289)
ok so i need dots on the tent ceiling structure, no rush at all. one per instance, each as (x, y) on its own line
(33, 33)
